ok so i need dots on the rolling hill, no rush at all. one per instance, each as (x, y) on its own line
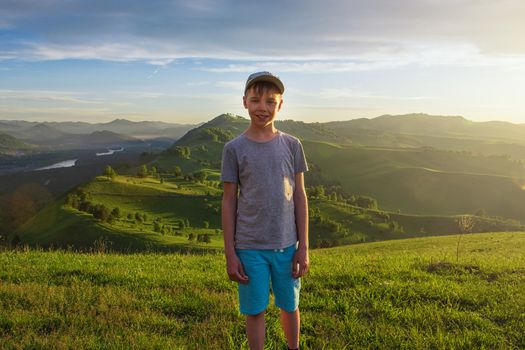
(174, 200)
(415, 180)
(421, 191)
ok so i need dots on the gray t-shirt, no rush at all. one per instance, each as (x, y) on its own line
(265, 173)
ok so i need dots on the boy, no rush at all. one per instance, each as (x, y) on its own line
(266, 225)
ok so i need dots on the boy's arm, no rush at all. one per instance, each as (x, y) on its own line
(301, 260)
(229, 214)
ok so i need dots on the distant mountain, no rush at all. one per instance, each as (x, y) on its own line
(144, 129)
(123, 126)
(96, 139)
(41, 133)
(431, 125)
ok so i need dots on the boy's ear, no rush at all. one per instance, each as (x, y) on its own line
(280, 104)
(244, 102)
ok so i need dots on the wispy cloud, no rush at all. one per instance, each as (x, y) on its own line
(198, 83)
(60, 99)
(346, 93)
(44, 95)
(156, 30)
(234, 85)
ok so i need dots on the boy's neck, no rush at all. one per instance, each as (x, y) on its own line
(266, 133)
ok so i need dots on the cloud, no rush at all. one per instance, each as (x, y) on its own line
(234, 85)
(198, 83)
(346, 93)
(45, 95)
(158, 31)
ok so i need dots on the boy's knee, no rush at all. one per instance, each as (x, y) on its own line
(256, 316)
(289, 312)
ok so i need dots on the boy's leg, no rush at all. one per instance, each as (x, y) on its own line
(256, 330)
(286, 291)
(254, 296)
(291, 323)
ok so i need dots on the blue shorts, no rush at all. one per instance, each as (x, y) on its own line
(261, 266)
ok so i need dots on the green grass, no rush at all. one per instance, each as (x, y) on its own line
(425, 182)
(413, 294)
(61, 226)
(175, 200)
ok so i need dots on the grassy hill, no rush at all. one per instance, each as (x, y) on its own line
(421, 191)
(411, 294)
(176, 208)
(169, 203)
(425, 181)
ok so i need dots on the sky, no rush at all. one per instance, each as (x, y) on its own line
(187, 61)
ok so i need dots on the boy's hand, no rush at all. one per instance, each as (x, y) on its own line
(235, 269)
(300, 262)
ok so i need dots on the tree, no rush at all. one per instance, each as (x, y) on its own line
(101, 212)
(153, 171)
(201, 175)
(73, 200)
(191, 236)
(206, 224)
(156, 226)
(177, 171)
(138, 217)
(86, 206)
(115, 213)
(366, 202)
(182, 152)
(110, 173)
(204, 238)
(143, 171)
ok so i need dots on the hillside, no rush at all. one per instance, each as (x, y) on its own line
(439, 292)
(425, 181)
(413, 177)
(176, 207)
(9, 144)
(421, 191)
(169, 203)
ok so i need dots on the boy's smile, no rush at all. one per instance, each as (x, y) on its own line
(263, 106)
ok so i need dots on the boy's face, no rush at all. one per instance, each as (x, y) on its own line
(262, 106)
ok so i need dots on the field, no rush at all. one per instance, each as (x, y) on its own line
(435, 292)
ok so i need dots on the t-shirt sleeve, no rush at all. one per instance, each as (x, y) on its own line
(229, 167)
(300, 165)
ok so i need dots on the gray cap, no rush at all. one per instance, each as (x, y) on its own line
(264, 76)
